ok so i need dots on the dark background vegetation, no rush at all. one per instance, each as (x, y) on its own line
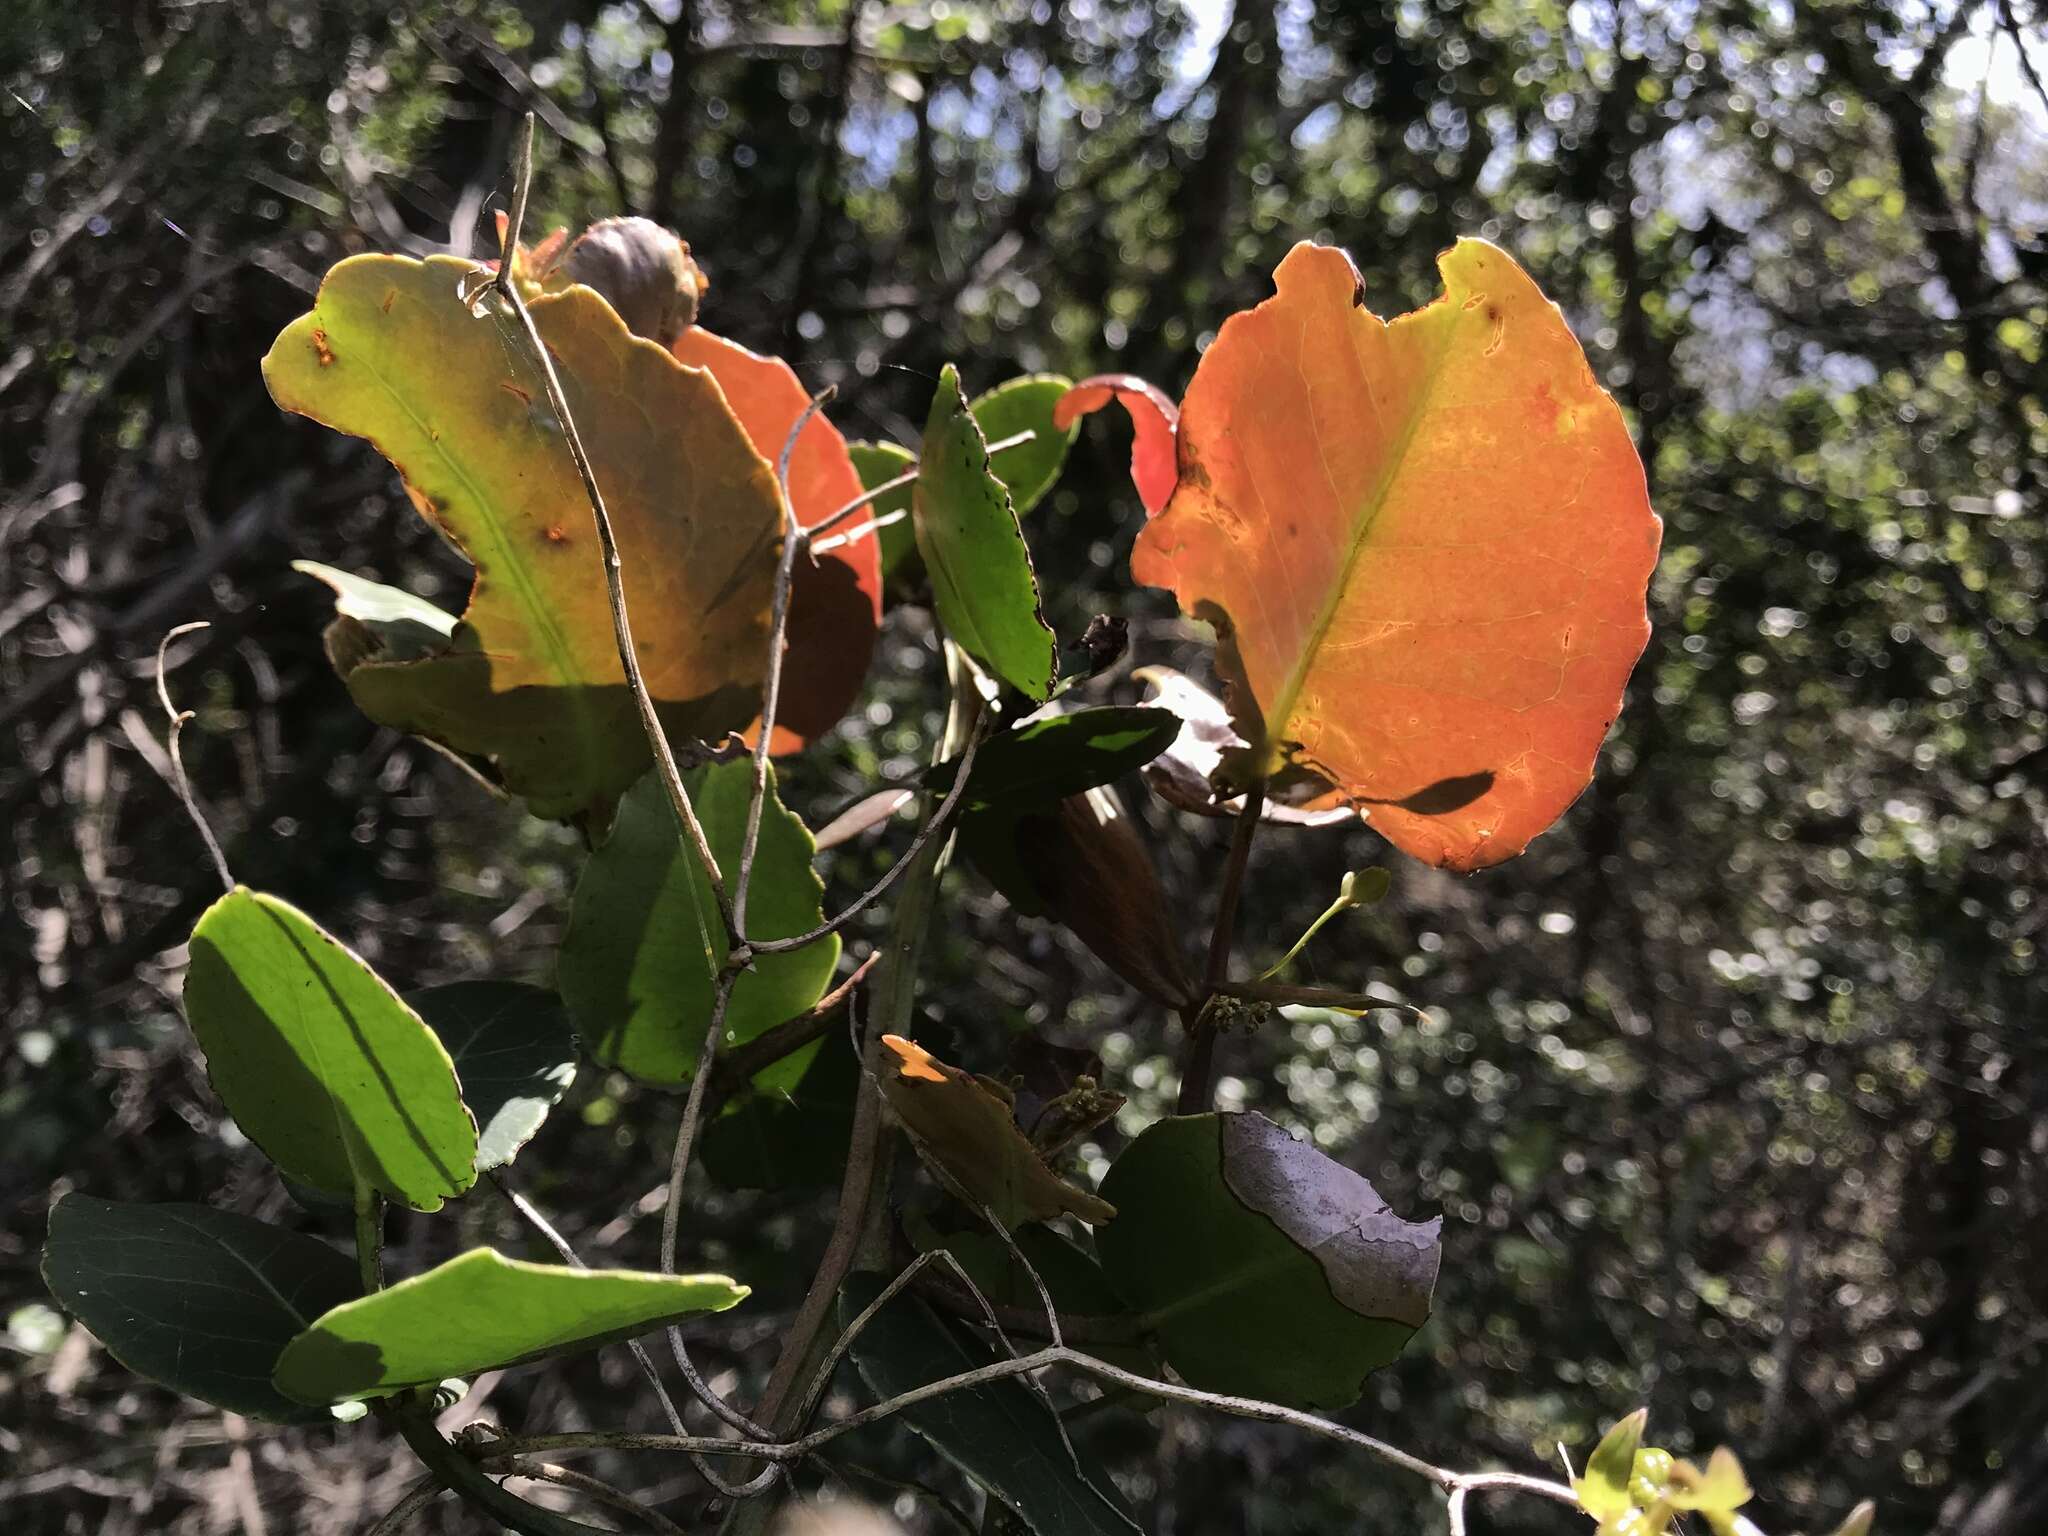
(1733, 1091)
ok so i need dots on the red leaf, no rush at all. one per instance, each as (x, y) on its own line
(1153, 421)
(835, 605)
(1425, 544)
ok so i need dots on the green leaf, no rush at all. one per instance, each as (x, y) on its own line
(792, 1137)
(320, 1062)
(1028, 470)
(480, 1311)
(1262, 1267)
(530, 679)
(877, 464)
(1043, 761)
(1025, 404)
(640, 962)
(1074, 1280)
(1003, 1435)
(514, 1055)
(982, 583)
(203, 1301)
(1603, 1491)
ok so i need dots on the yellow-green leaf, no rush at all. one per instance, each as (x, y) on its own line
(530, 678)
(480, 1311)
(320, 1062)
(1603, 1491)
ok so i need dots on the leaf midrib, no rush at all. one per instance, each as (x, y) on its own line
(1282, 713)
(540, 621)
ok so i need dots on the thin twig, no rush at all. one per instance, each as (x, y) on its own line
(1052, 1317)
(741, 956)
(604, 1493)
(840, 514)
(823, 1378)
(856, 533)
(771, 685)
(533, 1218)
(739, 1064)
(863, 1165)
(179, 781)
(1038, 1360)
(657, 738)
(1233, 884)
(1199, 1065)
(417, 1497)
(615, 585)
(933, 825)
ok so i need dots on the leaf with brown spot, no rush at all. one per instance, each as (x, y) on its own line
(835, 605)
(530, 678)
(1425, 545)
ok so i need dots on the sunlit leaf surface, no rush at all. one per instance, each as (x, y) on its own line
(835, 605)
(531, 677)
(320, 1062)
(478, 1311)
(1425, 545)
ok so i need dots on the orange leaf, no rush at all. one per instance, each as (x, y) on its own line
(1153, 422)
(1425, 545)
(835, 606)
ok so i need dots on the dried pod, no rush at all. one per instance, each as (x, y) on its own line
(644, 272)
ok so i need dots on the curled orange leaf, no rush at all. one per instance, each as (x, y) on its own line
(1153, 422)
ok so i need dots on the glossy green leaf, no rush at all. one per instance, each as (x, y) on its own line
(641, 958)
(1028, 470)
(201, 1300)
(1044, 761)
(320, 1062)
(793, 1136)
(530, 680)
(877, 464)
(480, 1311)
(1002, 1435)
(1261, 1266)
(1073, 1279)
(982, 582)
(1025, 404)
(514, 1053)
